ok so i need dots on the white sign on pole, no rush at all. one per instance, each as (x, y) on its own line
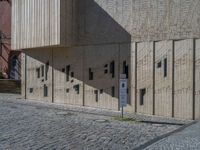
(123, 92)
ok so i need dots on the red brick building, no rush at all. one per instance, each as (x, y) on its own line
(9, 60)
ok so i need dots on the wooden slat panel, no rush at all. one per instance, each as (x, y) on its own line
(35, 23)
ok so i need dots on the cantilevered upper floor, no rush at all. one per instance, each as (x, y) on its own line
(38, 23)
(47, 23)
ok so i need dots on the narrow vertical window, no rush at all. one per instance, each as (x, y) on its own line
(142, 94)
(38, 72)
(165, 67)
(125, 69)
(46, 70)
(91, 75)
(112, 68)
(67, 72)
(42, 68)
(113, 91)
(96, 95)
(45, 91)
(72, 74)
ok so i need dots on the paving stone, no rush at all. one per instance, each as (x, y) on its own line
(23, 126)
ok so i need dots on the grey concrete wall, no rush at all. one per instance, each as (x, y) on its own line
(96, 32)
(145, 76)
(127, 53)
(183, 78)
(197, 79)
(163, 84)
(80, 60)
(155, 20)
(64, 91)
(35, 86)
(95, 58)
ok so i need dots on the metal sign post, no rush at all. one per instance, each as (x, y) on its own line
(123, 92)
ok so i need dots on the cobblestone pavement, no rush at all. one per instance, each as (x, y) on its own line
(28, 125)
(188, 139)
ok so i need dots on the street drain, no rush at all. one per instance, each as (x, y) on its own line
(64, 113)
(101, 120)
(14, 107)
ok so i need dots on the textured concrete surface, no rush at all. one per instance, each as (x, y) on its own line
(31, 125)
(188, 139)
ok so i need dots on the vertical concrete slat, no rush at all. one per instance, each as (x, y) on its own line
(136, 77)
(153, 78)
(173, 49)
(119, 58)
(52, 59)
(194, 76)
(183, 78)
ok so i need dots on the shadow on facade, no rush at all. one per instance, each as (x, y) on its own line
(99, 41)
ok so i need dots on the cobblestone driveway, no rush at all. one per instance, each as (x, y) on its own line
(24, 125)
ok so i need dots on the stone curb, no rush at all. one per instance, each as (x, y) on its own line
(149, 143)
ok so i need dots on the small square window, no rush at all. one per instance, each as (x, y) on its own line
(106, 71)
(63, 69)
(31, 90)
(77, 88)
(159, 64)
(67, 90)
(101, 91)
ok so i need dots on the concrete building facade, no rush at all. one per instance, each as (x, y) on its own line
(74, 52)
